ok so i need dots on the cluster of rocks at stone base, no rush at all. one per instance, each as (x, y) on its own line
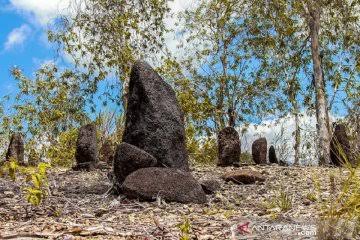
(154, 120)
(154, 135)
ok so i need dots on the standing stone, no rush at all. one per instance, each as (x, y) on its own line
(154, 120)
(259, 151)
(16, 149)
(128, 159)
(340, 146)
(86, 154)
(272, 155)
(229, 147)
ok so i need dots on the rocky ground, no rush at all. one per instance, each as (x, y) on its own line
(285, 206)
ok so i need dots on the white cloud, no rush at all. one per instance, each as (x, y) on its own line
(17, 36)
(41, 11)
(172, 39)
(279, 132)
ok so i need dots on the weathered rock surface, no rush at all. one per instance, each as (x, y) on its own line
(86, 154)
(243, 177)
(340, 146)
(229, 147)
(173, 185)
(259, 151)
(210, 186)
(154, 120)
(16, 148)
(107, 152)
(129, 158)
(272, 155)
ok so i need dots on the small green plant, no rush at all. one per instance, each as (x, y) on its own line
(282, 201)
(33, 179)
(185, 229)
(39, 183)
(311, 196)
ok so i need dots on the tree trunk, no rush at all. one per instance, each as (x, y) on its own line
(321, 108)
(297, 139)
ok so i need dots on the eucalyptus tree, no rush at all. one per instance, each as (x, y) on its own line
(106, 37)
(318, 39)
(222, 72)
(53, 102)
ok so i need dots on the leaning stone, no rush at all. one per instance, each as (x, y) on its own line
(210, 186)
(170, 184)
(16, 149)
(128, 159)
(272, 155)
(259, 151)
(154, 120)
(86, 154)
(229, 147)
(243, 177)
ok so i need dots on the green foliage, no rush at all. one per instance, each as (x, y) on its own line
(246, 158)
(203, 150)
(39, 183)
(222, 72)
(126, 31)
(281, 202)
(185, 229)
(10, 167)
(62, 152)
(311, 196)
(49, 104)
(34, 179)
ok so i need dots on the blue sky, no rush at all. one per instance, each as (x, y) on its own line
(22, 43)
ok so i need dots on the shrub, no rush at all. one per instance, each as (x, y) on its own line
(33, 180)
(340, 212)
(62, 153)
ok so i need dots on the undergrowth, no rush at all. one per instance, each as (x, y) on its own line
(33, 180)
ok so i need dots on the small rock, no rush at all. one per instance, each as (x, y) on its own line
(243, 176)
(171, 184)
(128, 159)
(9, 194)
(210, 186)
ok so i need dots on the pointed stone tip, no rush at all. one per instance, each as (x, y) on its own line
(141, 64)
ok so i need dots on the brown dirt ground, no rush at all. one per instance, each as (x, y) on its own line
(79, 208)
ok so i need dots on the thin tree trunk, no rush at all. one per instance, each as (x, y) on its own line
(297, 139)
(321, 108)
